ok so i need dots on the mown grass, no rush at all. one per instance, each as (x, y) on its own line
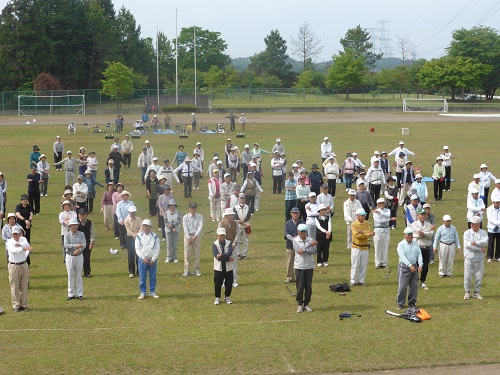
(182, 332)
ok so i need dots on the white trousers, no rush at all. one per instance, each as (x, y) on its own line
(215, 208)
(349, 236)
(74, 266)
(446, 258)
(359, 263)
(241, 242)
(381, 243)
(256, 204)
(235, 262)
(311, 231)
(473, 269)
(192, 250)
(402, 193)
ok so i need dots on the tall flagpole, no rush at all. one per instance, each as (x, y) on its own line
(176, 63)
(157, 69)
(194, 38)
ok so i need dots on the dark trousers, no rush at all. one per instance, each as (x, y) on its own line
(447, 178)
(245, 171)
(57, 159)
(332, 187)
(316, 190)
(44, 186)
(394, 213)
(132, 256)
(250, 201)
(277, 184)
(123, 236)
(398, 179)
(375, 191)
(161, 224)
(323, 251)
(289, 204)
(143, 174)
(486, 193)
(348, 180)
(223, 277)
(438, 189)
(90, 204)
(152, 206)
(492, 237)
(366, 207)
(303, 282)
(426, 254)
(86, 261)
(80, 205)
(188, 186)
(127, 158)
(408, 285)
(302, 208)
(115, 225)
(34, 200)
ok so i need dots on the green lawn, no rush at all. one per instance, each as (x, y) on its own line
(111, 332)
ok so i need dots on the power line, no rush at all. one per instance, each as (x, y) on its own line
(488, 14)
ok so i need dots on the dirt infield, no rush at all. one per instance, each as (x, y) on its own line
(261, 118)
(493, 369)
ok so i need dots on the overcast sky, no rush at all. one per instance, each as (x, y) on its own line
(428, 24)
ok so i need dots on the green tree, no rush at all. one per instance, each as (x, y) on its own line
(398, 76)
(232, 77)
(214, 77)
(481, 44)
(118, 82)
(273, 60)
(358, 41)
(346, 72)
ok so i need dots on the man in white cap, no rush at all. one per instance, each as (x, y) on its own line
(493, 215)
(485, 177)
(420, 189)
(475, 242)
(80, 191)
(326, 149)
(143, 163)
(410, 264)
(351, 205)
(226, 190)
(331, 171)
(149, 148)
(18, 250)
(242, 216)
(423, 233)
(446, 156)
(74, 244)
(133, 225)
(475, 184)
(153, 167)
(121, 214)
(475, 207)
(58, 152)
(117, 143)
(376, 177)
(406, 180)
(172, 221)
(231, 227)
(70, 165)
(43, 169)
(376, 156)
(192, 224)
(243, 121)
(447, 241)
(200, 152)
(222, 250)
(304, 248)
(411, 209)
(167, 172)
(277, 167)
(147, 248)
(495, 194)
(360, 229)
(399, 149)
(187, 171)
(278, 147)
(111, 173)
(246, 159)
(381, 223)
(127, 148)
(438, 175)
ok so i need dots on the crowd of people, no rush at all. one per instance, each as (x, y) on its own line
(233, 180)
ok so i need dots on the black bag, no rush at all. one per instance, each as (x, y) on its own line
(340, 287)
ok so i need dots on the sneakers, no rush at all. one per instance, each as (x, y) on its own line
(185, 274)
(228, 300)
(498, 259)
(431, 262)
(325, 264)
(320, 264)
(131, 275)
(424, 287)
(308, 309)
(141, 296)
(235, 285)
(476, 295)
(217, 301)
(489, 261)
(466, 296)
(162, 240)
(197, 273)
(300, 308)
(117, 238)
(176, 261)
(154, 295)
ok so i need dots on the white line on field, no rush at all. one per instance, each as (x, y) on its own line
(453, 205)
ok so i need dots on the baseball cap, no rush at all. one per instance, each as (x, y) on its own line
(146, 222)
(302, 228)
(312, 194)
(221, 231)
(446, 217)
(421, 211)
(17, 229)
(476, 175)
(360, 211)
(132, 209)
(475, 220)
(413, 197)
(380, 200)
(295, 209)
(482, 166)
(427, 205)
(408, 230)
(352, 192)
(193, 205)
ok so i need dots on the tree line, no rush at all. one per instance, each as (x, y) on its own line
(87, 44)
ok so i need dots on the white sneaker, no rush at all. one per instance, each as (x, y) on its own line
(141, 296)
(131, 275)
(116, 238)
(476, 295)
(162, 240)
(196, 273)
(489, 261)
(300, 308)
(217, 301)
(424, 287)
(325, 264)
(154, 295)
(235, 285)
(466, 296)
(176, 261)
(498, 259)
(308, 309)
(320, 264)
(185, 274)
(228, 300)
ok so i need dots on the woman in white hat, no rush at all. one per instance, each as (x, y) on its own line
(107, 205)
(65, 216)
(43, 169)
(486, 177)
(7, 229)
(172, 228)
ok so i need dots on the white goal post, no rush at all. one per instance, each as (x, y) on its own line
(28, 105)
(425, 105)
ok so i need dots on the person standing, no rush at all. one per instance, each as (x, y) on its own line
(251, 187)
(493, 215)
(87, 228)
(323, 236)
(34, 156)
(172, 220)
(127, 148)
(222, 250)
(290, 195)
(486, 177)
(384, 164)
(167, 121)
(447, 238)
(326, 199)
(351, 205)
(315, 179)
(64, 218)
(232, 121)
(121, 214)
(495, 194)
(147, 247)
(92, 163)
(18, 250)
(214, 195)
(376, 178)
(420, 189)
(304, 249)
(80, 191)
(277, 167)
(312, 213)
(406, 180)
(192, 224)
(423, 234)
(360, 229)
(34, 181)
(74, 244)
(143, 163)
(233, 162)
(24, 214)
(43, 170)
(193, 122)
(70, 166)
(258, 178)
(364, 198)
(242, 216)
(246, 159)
(331, 170)
(167, 172)
(326, 149)
(290, 233)
(91, 183)
(187, 170)
(348, 169)
(410, 264)
(475, 207)
(196, 162)
(155, 122)
(391, 195)
(401, 149)
(381, 223)
(107, 205)
(446, 156)
(303, 192)
(133, 226)
(438, 175)
(58, 148)
(226, 190)
(151, 193)
(243, 122)
(475, 242)
(231, 228)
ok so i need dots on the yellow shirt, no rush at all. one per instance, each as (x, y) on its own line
(360, 240)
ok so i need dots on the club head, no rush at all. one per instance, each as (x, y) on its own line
(387, 276)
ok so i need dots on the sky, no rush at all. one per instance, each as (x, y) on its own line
(426, 24)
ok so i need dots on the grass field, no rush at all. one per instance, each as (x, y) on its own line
(111, 332)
